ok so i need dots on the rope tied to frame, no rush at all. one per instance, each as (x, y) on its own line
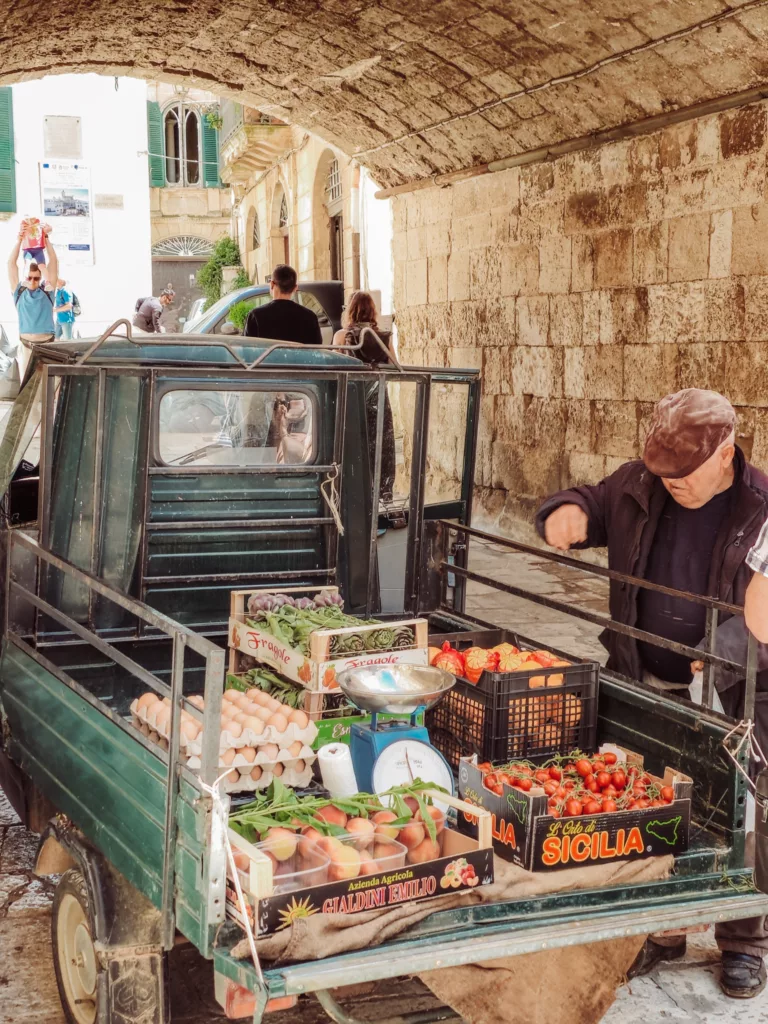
(331, 497)
(749, 740)
(215, 795)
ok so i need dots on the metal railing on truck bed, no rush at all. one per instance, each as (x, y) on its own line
(182, 640)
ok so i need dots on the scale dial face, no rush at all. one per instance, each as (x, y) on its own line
(404, 761)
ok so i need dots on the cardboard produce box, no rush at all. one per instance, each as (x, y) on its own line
(319, 670)
(466, 862)
(526, 833)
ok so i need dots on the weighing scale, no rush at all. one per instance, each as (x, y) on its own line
(392, 753)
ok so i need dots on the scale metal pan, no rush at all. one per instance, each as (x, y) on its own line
(396, 689)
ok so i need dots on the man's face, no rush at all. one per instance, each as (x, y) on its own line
(165, 300)
(704, 483)
(34, 278)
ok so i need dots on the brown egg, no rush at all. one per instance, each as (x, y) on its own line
(272, 703)
(152, 712)
(254, 724)
(249, 753)
(227, 757)
(231, 695)
(197, 700)
(256, 772)
(167, 701)
(263, 713)
(243, 703)
(190, 730)
(295, 748)
(257, 696)
(145, 700)
(241, 717)
(270, 751)
(233, 777)
(299, 718)
(278, 769)
(278, 722)
(300, 766)
(234, 729)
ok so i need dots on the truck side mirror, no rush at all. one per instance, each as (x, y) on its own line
(229, 328)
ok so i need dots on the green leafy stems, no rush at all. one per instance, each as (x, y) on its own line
(280, 807)
(260, 678)
(292, 626)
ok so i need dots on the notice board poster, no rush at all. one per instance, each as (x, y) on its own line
(67, 204)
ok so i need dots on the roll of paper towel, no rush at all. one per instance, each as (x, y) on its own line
(336, 769)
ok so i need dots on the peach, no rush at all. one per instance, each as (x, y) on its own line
(328, 844)
(382, 851)
(345, 863)
(411, 835)
(381, 819)
(241, 859)
(332, 815)
(282, 842)
(412, 804)
(309, 836)
(368, 867)
(363, 829)
(437, 816)
(426, 850)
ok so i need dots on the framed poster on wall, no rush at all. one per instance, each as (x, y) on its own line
(67, 204)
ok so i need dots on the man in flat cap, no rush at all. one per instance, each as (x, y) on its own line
(685, 517)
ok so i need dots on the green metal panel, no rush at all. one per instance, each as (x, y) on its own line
(7, 155)
(156, 148)
(210, 156)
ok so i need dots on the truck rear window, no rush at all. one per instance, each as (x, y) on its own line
(204, 427)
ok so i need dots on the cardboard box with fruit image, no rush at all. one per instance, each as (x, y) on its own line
(382, 860)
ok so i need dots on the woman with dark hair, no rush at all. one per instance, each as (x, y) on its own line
(358, 315)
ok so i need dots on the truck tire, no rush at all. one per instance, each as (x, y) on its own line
(74, 956)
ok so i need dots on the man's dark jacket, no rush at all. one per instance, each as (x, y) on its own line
(284, 320)
(624, 512)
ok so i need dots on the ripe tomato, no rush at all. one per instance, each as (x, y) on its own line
(609, 806)
(570, 767)
(592, 807)
(551, 787)
(525, 784)
(619, 778)
(667, 794)
(603, 779)
(561, 793)
(592, 785)
(598, 766)
(485, 767)
(554, 812)
(569, 784)
(583, 767)
(631, 805)
(638, 789)
(610, 758)
(573, 808)
(658, 803)
(610, 791)
(555, 773)
(642, 803)
(491, 779)
(525, 770)
(541, 775)
(498, 789)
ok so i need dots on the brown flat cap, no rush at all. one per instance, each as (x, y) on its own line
(686, 429)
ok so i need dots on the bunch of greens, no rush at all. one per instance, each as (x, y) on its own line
(281, 689)
(292, 623)
(280, 807)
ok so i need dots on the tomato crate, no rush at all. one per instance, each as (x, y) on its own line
(509, 716)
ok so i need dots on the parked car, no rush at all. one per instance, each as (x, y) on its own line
(325, 298)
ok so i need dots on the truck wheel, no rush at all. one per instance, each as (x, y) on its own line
(74, 956)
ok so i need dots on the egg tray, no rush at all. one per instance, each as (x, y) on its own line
(306, 754)
(291, 777)
(247, 738)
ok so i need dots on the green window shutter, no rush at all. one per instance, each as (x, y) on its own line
(155, 134)
(210, 156)
(7, 159)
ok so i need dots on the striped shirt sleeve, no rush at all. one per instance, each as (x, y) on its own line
(757, 558)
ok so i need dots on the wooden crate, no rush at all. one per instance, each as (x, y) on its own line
(318, 671)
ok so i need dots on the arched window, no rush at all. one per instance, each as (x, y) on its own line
(333, 184)
(183, 143)
(283, 218)
(189, 246)
(256, 232)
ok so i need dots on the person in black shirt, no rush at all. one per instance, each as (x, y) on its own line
(283, 319)
(683, 517)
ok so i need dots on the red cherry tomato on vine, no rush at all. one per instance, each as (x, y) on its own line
(583, 767)
(541, 776)
(525, 784)
(642, 803)
(554, 812)
(658, 803)
(603, 779)
(610, 791)
(573, 808)
(555, 773)
(569, 784)
(667, 793)
(619, 778)
(609, 805)
(592, 807)
(592, 785)
(551, 787)
(610, 758)
(598, 766)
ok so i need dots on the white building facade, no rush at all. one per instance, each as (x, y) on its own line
(71, 122)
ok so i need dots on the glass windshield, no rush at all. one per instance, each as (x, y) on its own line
(203, 427)
(213, 311)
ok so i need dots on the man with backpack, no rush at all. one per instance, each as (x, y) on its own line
(149, 310)
(65, 308)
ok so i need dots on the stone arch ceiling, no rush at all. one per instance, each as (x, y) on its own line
(414, 88)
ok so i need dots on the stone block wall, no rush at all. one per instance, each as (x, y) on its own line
(588, 287)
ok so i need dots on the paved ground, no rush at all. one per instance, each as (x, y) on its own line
(685, 993)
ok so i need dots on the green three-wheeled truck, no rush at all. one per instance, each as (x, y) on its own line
(161, 486)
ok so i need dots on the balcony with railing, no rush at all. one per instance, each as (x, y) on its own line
(250, 141)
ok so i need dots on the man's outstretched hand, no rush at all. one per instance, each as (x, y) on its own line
(565, 527)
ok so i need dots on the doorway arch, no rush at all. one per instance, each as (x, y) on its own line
(280, 234)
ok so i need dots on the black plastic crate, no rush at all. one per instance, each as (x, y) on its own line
(504, 718)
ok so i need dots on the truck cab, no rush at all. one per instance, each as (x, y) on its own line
(171, 472)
